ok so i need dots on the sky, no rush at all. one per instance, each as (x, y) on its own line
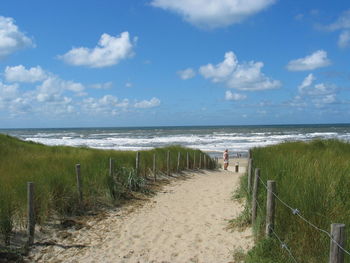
(173, 62)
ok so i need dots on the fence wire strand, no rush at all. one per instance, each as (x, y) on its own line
(296, 211)
(283, 244)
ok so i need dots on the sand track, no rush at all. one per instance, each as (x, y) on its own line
(186, 222)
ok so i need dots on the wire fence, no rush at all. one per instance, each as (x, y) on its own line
(283, 244)
(295, 212)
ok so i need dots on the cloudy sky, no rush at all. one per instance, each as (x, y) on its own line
(87, 63)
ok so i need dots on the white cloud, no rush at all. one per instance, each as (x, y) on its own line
(186, 73)
(306, 82)
(8, 92)
(319, 94)
(21, 74)
(128, 85)
(234, 96)
(343, 22)
(213, 13)
(108, 105)
(109, 51)
(222, 70)
(52, 88)
(106, 85)
(324, 100)
(316, 60)
(241, 76)
(344, 39)
(11, 38)
(154, 102)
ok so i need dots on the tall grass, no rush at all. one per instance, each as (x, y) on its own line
(52, 168)
(313, 177)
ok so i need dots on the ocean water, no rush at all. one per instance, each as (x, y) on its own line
(212, 139)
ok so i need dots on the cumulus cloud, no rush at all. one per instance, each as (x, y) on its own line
(8, 91)
(52, 88)
(106, 85)
(316, 60)
(234, 96)
(154, 102)
(109, 51)
(306, 82)
(108, 104)
(128, 85)
(213, 13)
(319, 94)
(21, 74)
(11, 38)
(222, 70)
(241, 76)
(344, 39)
(186, 73)
(341, 24)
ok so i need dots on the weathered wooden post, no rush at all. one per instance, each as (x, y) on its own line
(194, 160)
(270, 207)
(31, 213)
(200, 161)
(137, 164)
(255, 194)
(154, 167)
(79, 183)
(178, 161)
(336, 254)
(168, 163)
(188, 161)
(111, 167)
(204, 161)
(250, 175)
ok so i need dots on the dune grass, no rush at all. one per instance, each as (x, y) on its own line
(52, 169)
(313, 177)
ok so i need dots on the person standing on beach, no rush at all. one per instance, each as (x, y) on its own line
(226, 158)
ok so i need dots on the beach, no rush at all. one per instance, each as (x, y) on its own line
(186, 221)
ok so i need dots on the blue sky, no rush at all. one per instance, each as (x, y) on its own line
(173, 62)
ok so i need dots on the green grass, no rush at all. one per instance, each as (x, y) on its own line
(313, 177)
(52, 169)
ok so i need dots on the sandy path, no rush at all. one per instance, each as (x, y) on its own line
(186, 222)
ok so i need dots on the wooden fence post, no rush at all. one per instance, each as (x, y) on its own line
(188, 161)
(154, 167)
(194, 160)
(270, 207)
(111, 167)
(178, 161)
(255, 194)
(31, 213)
(205, 161)
(336, 255)
(200, 161)
(168, 163)
(79, 183)
(137, 164)
(250, 175)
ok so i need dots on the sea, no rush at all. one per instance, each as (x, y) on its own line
(211, 139)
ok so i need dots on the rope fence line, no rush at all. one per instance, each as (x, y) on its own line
(296, 211)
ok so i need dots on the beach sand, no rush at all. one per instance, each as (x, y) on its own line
(187, 221)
